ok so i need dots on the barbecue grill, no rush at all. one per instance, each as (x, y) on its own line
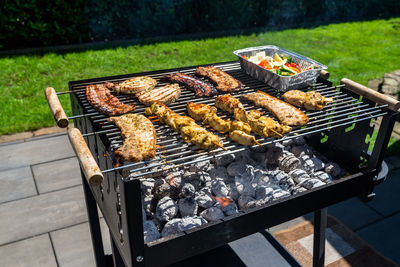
(339, 132)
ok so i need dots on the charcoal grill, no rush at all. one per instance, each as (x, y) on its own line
(339, 132)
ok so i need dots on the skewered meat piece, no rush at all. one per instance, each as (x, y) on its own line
(186, 126)
(285, 112)
(311, 100)
(139, 137)
(199, 87)
(103, 101)
(262, 125)
(238, 131)
(223, 80)
(133, 86)
(166, 95)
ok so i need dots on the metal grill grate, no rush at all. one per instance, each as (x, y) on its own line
(172, 152)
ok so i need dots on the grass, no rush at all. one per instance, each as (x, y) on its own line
(360, 51)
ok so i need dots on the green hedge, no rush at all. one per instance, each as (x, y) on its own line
(33, 23)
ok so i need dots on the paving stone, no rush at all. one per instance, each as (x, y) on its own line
(384, 237)
(393, 162)
(32, 252)
(40, 214)
(16, 184)
(49, 130)
(34, 152)
(57, 174)
(375, 84)
(387, 197)
(73, 245)
(291, 223)
(15, 137)
(354, 213)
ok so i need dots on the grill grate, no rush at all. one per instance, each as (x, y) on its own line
(172, 152)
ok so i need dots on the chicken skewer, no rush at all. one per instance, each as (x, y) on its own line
(238, 130)
(311, 100)
(261, 125)
(186, 126)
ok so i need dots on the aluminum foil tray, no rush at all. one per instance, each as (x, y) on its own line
(282, 83)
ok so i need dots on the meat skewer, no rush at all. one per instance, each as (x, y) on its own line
(223, 80)
(238, 131)
(261, 125)
(286, 113)
(103, 101)
(200, 88)
(139, 138)
(186, 126)
(311, 100)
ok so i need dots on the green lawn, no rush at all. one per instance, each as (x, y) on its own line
(360, 51)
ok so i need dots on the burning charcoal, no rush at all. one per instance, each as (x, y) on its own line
(190, 176)
(260, 158)
(218, 172)
(244, 202)
(236, 168)
(298, 141)
(279, 193)
(286, 184)
(304, 157)
(323, 176)
(158, 224)
(311, 183)
(288, 162)
(264, 192)
(259, 149)
(204, 200)
(187, 190)
(312, 165)
(233, 192)
(187, 207)
(219, 188)
(147, 185)
(159, 182)
(297, 189)
(333, 169)
(200, 166)
(275, 151)
(149, 205)
(166, 209)
(302, 150)
(161, 191)
(224, 160)
(207, 188)
(150, 231)
(204, 177)
(174, 178)
(177, 225)
(212, 214)
(277, 175)
(260, 174)
(299, 175)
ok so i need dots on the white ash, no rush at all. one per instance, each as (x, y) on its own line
(236, 168)
(288, 162)
(333, 169)
(311, 183)
(245, 202)
(212, 214)
(233, 192)
(204, 200)
(147, 185)
(303, 158)
(224, 160)
(297, 189)
(286, 184)
(166, 209)
(230, 209)
(206, 188)
(279, 193)
(187, 190)
(178, 225)
(204, 177)
(187, 207)
(260, 174)
(264, 192)
(299, 175)
(148, 204)
(150, 231)
(277, 175)
(219, 188)
(161, 191)
(218, 172)
(323, 176)
(175, 178)
(200, 166)
(312, 165)
(245, 188)
(298, 151)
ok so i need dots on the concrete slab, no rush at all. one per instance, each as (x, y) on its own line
(16, 184)
(384, 236)
(393, 162)
(73, 245)
(387, 197)
(34, 152)
(291, 223)
(15, 137)
(40, 214)
(354, 213)
(32, 252)
(56, 175)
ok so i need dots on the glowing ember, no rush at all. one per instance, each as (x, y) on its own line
(171, 181)
(223, 201)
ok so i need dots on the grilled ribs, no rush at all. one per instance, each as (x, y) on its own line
(311, 100)
(223, 80)
(286, 113)
(200, 88)
(139, 137)
(133, 86)
(103, 101)
(166, 95)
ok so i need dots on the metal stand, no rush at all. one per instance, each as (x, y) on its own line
(319, 237)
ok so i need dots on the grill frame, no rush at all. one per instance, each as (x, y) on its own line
(116, 191)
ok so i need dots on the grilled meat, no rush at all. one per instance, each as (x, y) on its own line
(199, 87)
(261, 125)
(189, 130)
(311, 100)
(223, 80)
(139, 137)
(238, 131)
(103, 101)
(166, 95)
(133, 86)
(286, 113)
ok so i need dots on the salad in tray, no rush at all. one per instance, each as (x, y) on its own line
(279, 64)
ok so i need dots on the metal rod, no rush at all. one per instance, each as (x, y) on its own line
(319, 237)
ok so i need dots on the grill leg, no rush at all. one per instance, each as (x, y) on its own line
(94, 224)
(319, 237)
(117, 260)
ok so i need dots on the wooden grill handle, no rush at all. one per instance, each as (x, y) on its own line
(373, 95)
(56, 108)
(324, 74)
(89, 165)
